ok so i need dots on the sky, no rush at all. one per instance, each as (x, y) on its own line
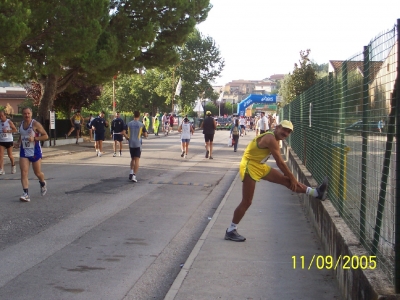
(260, 38)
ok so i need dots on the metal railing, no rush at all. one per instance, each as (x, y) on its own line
(346, 127)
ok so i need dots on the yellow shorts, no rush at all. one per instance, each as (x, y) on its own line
(255, 170)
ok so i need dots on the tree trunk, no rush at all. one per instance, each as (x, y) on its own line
(46, 103)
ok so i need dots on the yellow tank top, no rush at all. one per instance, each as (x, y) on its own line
(253, 152)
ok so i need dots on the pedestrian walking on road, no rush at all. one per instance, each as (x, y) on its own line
(186, 131)
(135, 131)
(209, 126)
(156, 124)
(263, 124)
(146, 121)
(117, 128)
(76, 124)
(253, 168)
(99, 125)
(31, 134)
(235, 132)
(6, 142)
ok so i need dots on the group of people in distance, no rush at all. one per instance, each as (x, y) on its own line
(252, 167)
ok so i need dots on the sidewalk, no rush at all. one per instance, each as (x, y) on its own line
(262, 267)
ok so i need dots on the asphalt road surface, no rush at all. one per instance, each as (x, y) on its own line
(97, 235)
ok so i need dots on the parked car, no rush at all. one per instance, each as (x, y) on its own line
(224, 123)
(357, 127)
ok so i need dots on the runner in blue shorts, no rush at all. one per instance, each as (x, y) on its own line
(31, 134)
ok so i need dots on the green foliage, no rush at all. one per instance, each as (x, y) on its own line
(200, 63)
(53, 42)
(303, 77)
(31, 104)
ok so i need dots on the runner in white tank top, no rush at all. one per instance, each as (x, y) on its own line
(6, 141)
(31, 134)
(186, 130)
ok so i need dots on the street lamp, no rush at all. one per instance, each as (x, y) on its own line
(221, 95)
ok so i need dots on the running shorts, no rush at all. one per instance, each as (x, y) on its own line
(135, 152)
(98, 136)
(255, 169)
(118, 137)
(208, 137)
(6, 144)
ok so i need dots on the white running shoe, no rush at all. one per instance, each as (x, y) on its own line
(43, 189)
(185, 155)
(25, 197)
(2, 172)
(120, 154)
(115, 154)
(99, 155)
(13, 169)
(134, 178)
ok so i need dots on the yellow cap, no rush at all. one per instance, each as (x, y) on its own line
(287, 124)
(208, 113)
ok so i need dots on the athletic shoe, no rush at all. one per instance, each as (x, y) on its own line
(234, 236)
(25, 197)
(134, 178)
(13, 169)
(183, 153)
(210, 157)
(2, 172)
(43, 189)
(65, 135)
(99, 154)
(115, 154)
(207, 152)
(120, 154)
(130, 176)
(323, 189)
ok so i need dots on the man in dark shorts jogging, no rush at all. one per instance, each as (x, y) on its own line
(98, 125)
(117, 127)
(135, 131)
(209, 125)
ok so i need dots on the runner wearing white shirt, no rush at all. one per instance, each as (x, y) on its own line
(242, 123)
(6, 141)
(263, 124)
(186, 130)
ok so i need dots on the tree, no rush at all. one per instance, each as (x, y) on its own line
(199, 64)
(83, 97)
(134, 92)
(56, 41)
(303, 77)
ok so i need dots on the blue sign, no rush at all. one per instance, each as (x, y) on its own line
(253, 98)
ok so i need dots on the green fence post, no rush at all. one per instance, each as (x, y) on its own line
(397, 216)
(342, 171)
(364, 148)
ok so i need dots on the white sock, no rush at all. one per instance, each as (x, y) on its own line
(232, 227)
(131, 172)
(311, 192)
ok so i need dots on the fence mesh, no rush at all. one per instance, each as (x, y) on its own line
(344, 127)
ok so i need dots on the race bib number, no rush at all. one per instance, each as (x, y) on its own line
(26, 144)
(4, 135)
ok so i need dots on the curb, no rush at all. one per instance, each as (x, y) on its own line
(176, 285)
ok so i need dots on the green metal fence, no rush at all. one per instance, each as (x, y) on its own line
(345, 127)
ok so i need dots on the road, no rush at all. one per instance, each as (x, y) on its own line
(96, 235)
